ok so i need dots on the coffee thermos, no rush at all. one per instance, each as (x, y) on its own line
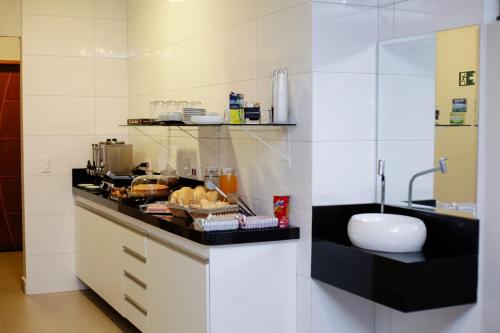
(280, 95)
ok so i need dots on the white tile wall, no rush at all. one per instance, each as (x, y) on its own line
(59, 76)
(77, 8)
(58, 115)
(51, 273)
(231, 12)
(55, 227)
(284, 40)
(232, 62)
(344, 38)
(51, 35)
(403, 160)
(421, 16)
(42, 192)
(111, 9)
(110, 38)
(111, 77)
(344, 106)
(64, 152)
(62, 117)
(266, 7)
(334, 310)
(110, 112)
(10, 18)
(343, 172)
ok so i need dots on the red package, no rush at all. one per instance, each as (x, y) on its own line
(281, 203)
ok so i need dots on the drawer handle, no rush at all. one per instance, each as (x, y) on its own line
(134, 254)
(134, 279)
(135, 304)
(181, 250)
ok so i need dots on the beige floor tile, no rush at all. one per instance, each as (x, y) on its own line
(66, 312)
(3, 328)
(25, 323)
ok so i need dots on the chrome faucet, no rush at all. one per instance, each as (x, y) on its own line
(442, 168)
(381, 173)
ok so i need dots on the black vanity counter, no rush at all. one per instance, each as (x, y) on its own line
(443, 274)
(183, 227)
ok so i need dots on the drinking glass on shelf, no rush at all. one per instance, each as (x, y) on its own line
(157, 109)
(163, 107)
(181, 105)
(171, 106)
(152, 114)
(195, 104)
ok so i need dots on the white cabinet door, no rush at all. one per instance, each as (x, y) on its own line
(177, 293)
(86, 250)
(99, 249)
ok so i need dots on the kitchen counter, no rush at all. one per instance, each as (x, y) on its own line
(183, 227)
(443, 274)
(165, 276)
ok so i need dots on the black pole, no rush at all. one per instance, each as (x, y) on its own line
(498, 17)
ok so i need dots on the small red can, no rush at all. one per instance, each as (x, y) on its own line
(281, 203)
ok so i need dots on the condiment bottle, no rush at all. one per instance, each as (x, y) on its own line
(228, 181)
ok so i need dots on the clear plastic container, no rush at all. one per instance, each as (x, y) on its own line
(150, 186)
(212, 174)
(172, 178)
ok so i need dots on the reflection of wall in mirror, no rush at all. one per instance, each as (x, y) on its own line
(457, 51)
(406, 113)
(10, 48)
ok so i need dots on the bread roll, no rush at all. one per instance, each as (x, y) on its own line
(199, 194)
(186, 196)
(212, 196)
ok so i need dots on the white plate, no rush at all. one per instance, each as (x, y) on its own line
(85, 185)
(207, 119)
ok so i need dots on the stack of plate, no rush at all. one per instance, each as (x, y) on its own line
(188, 112)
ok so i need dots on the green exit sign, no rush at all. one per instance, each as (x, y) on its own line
(467, 78)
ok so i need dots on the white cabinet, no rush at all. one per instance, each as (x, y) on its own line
(163, 283)
(98, 249)
(177, 298)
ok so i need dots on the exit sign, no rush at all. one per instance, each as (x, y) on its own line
(467, 78)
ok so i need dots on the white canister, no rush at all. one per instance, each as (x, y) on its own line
(280, 95)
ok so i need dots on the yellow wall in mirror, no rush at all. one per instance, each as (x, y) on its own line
(10, 49)
(457, 51)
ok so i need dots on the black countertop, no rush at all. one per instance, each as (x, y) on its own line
(183, 227)
(443, 274)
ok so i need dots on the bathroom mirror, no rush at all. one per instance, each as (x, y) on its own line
(427, 109)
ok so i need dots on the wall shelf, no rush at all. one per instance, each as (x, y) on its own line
(247, 128)
(211, 125)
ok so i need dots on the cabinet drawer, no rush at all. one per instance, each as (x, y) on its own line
(135, 314)
(135, 288)
(134, 265)
(134, 241)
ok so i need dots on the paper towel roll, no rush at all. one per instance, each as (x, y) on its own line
(280, 95)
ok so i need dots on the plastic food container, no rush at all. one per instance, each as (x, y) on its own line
(150, 186)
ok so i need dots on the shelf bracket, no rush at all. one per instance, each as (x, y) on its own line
(262, 141)
(154, 139)
(197, 139)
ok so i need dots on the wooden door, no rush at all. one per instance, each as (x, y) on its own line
(10, 159)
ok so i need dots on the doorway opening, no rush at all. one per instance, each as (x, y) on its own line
(11, 210)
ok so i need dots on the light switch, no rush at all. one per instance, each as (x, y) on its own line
(45, 164)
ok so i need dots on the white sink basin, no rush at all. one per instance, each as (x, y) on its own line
(387, 232)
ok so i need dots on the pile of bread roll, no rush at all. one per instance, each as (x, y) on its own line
(197, 198)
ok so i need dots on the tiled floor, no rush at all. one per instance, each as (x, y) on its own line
(78, 311)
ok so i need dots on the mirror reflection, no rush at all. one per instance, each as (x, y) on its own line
(427, 119)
